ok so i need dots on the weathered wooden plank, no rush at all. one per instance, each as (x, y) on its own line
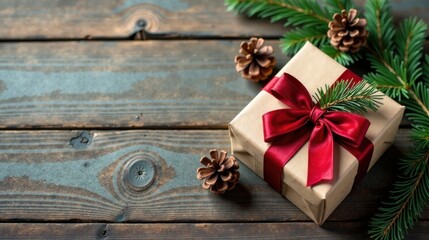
(61, 176)
(149, 84)
(297, 230)
(122, 84)
(80, 19)
(42, 19)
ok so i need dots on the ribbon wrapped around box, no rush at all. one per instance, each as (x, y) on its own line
(314, 185)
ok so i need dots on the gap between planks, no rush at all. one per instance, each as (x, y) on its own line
(331, 231)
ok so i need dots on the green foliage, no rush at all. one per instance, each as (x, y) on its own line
(400, 70)
(341, 57)
(311, 22)
(389, 74)
(294, 12)
(418, 116)
(420, 136)
(345, 96)
(409, 42)
(335, 6)
(408, 198)
(295, 39)
(426, 69)
(380, 25)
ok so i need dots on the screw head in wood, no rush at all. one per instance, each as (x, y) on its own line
(140, 174)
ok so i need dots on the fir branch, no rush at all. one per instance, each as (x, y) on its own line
(420, 136)
(397, 72)
(341, 57)
(295, 12)
(380, 25)
(335, 6)
(396, 57)
(292, 41)
(346, 96)
(418, 110)
(425, 68)
(390, 74)
(409, 42)
(407, 200)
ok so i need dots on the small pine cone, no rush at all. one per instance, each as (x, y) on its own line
(221, 172)
(255, 61)
(347, 32)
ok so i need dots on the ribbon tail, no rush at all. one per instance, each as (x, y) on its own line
(320, 154)
(276, 157)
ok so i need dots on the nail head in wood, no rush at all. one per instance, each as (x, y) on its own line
(141, 23)
(140, 174)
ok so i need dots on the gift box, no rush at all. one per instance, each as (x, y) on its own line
(314, 70)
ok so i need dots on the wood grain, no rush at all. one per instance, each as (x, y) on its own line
(297, 230)
(153, 84)
(46, 176)
(82, 19)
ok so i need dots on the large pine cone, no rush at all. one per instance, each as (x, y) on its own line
(347, 32)
(221, 172)
(256, 62)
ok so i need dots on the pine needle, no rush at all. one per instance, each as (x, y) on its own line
(341, 57)
(380, 25)
(294, 12)
(335, 6)
(346, 96)
(408, 198)
(410, 38)
(398, 70)
(425, 68)
(295, 39)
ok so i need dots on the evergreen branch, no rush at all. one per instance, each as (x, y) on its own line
(341, 57)
(390, 74)
(403, 207)
(407, 200)
(425, 68)
(295, 12)
(397, 59)
(335, 6)
(292, 41)
(399, 71)
(412, 32)
(419, 109)
(346, 96)
(420, 136)
(380, 25)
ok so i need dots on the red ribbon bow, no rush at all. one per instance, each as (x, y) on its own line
(289, 129)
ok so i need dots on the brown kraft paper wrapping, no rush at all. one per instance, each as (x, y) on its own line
(314, 69)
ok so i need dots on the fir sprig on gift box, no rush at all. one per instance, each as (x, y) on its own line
(346, 96)
(400, 70)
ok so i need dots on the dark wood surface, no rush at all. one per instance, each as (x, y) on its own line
(79, 99)
(283, 230)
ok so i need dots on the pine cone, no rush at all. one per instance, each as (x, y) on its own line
(347, 32)
(257, 62)
(221, 172)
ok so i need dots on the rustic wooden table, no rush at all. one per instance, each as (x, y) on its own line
(88, 86)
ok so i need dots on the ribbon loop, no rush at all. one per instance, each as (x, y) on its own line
(287, 130)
